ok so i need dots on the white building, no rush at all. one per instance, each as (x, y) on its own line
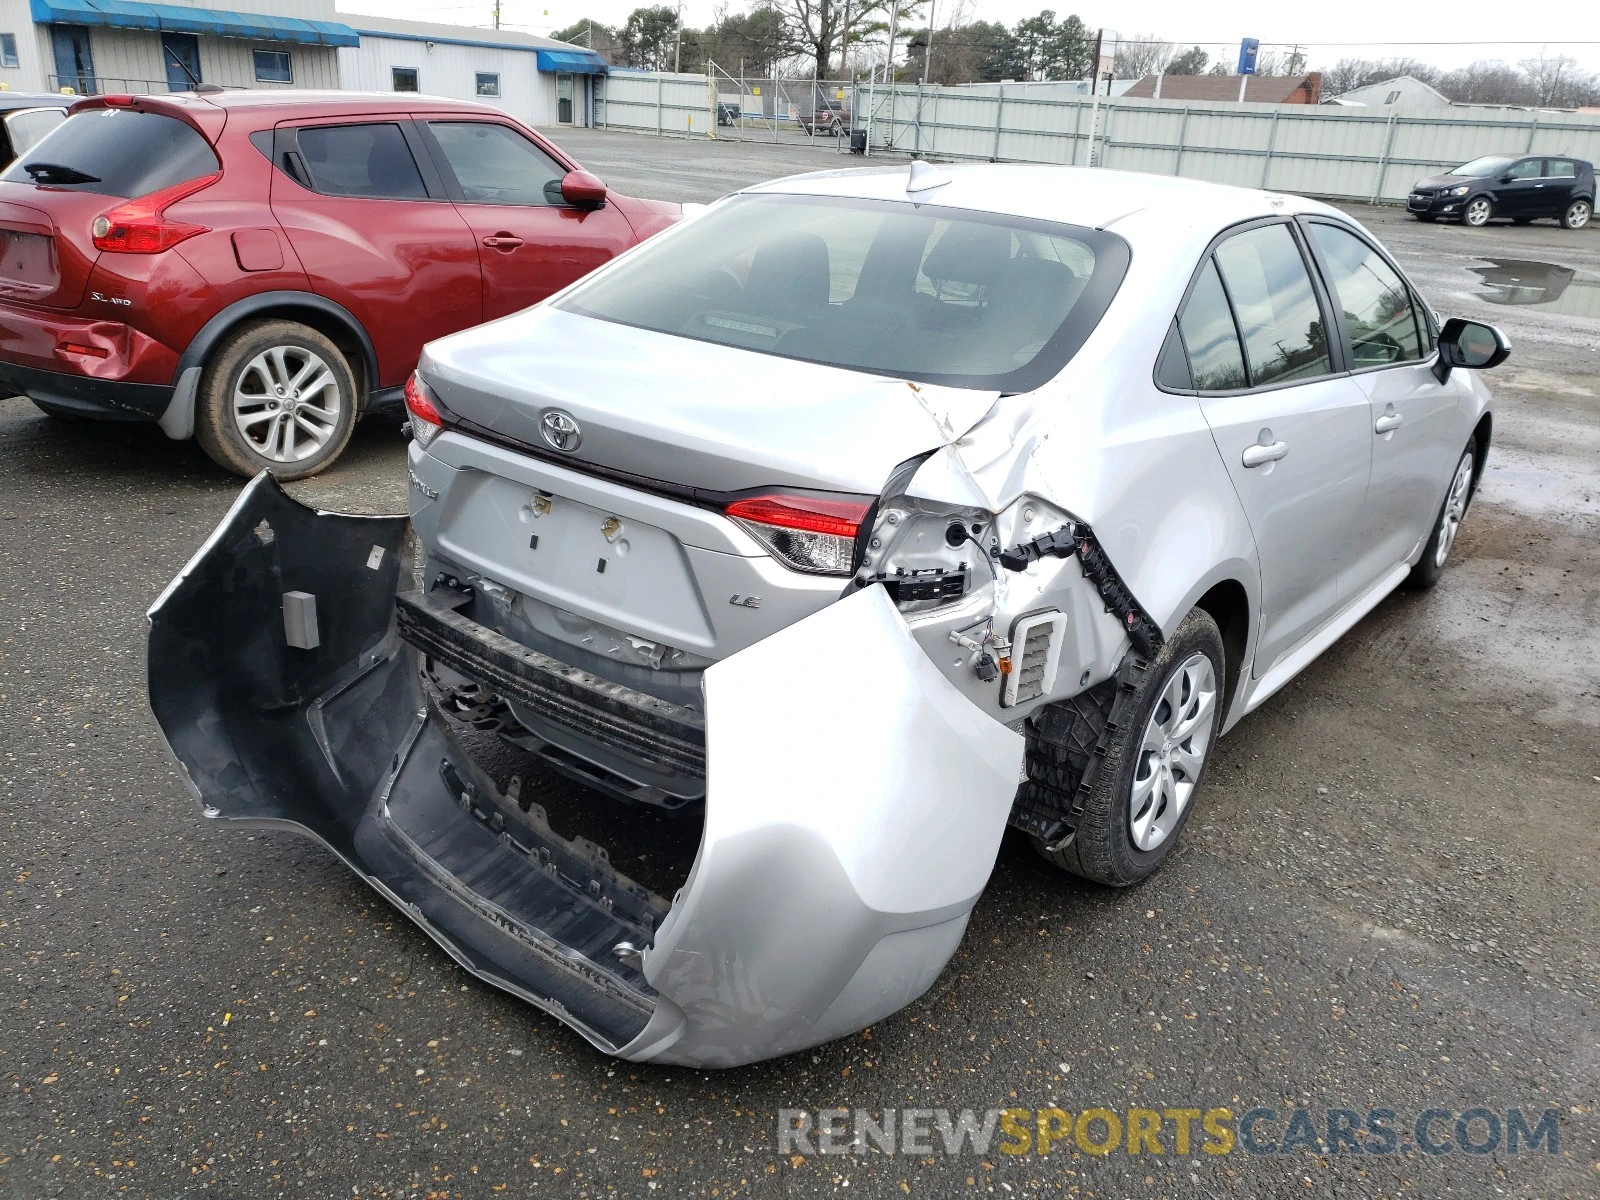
(1403, 92)
(98, 46)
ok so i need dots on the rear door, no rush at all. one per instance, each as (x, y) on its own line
(365, 211)
(531, 242)
(1417, 423)
(1293, 432)
(1560, 185)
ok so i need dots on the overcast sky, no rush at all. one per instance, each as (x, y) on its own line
(1566, 28)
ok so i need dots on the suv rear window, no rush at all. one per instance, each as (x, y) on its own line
(940, 295)
(116, 152)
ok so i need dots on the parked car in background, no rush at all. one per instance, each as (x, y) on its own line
(843, 525)
(258, 269)
(830, 117)
(25, 117)
(1520, 187)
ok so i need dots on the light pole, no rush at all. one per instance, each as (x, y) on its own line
(677, 40)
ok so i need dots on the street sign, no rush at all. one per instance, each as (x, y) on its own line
(1248, 49)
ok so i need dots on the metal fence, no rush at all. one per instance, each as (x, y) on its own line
(725, 104)
(1341, 153)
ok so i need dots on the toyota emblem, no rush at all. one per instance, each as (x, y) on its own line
(560, 430)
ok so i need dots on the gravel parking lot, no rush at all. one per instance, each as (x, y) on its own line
(1388, 899)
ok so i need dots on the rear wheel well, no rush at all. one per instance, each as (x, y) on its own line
(339, 330)
(1229, 607)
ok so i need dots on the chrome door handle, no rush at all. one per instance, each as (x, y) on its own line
(1255, 456)
(1387, 422)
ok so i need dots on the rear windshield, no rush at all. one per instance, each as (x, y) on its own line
(918, 292)
(116, 152)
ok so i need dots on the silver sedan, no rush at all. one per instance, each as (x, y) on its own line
(844, 524)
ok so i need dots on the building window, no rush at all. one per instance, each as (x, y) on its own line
(488, 83)
(273, 66)
(404, 78)
(1393, 96)
(8, 52)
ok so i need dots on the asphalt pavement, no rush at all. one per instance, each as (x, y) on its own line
(1387, 900)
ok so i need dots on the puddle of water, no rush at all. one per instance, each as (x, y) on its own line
(1543, 287)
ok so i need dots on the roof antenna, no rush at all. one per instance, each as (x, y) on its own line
(924, 177)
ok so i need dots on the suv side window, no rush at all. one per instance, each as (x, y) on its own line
(1379, 313)
(1276, 307)
(1560, 168)
(1528, 168)
(494, 164)
(1210, 336)
(371, 161)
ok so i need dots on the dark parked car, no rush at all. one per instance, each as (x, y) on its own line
(1521, 187)
(25, 117)
(258, 269)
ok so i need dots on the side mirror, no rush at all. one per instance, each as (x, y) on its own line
(1469, 344)
(1508, 177)
(582, 190)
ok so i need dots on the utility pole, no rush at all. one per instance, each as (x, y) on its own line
(894, 15)
(927, 50)
(677, 39)
(497, 14)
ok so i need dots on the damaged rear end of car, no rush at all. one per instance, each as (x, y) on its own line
(712, 551)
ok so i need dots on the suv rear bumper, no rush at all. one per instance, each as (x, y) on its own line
(87, 396)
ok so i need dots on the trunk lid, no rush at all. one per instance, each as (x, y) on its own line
(696, 414)
(46, 254)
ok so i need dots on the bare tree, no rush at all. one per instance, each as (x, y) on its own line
(1558, 81)
(1142, 54)
(1487, 82)
(824, 29)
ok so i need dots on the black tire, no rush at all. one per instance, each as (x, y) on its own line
(1578, 214)
(1430, 566)
(1102, 848)
(219, 433)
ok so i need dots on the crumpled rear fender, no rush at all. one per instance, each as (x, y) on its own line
(855, 799)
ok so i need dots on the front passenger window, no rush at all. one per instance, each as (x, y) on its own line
(496, 165)
(1528, 168)
(1278, 313)
(1378, 313)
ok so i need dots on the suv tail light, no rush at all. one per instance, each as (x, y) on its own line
(141, 226)
(427, 414)
(811, 532)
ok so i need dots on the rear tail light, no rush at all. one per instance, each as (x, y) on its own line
(427, 414)
(141, 226)
(810, 532)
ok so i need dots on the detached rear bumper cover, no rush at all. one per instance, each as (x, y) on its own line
(855, 801)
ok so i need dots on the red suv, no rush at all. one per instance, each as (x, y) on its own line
(259, 269)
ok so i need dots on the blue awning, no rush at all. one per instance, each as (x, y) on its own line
(578, 62)
(172, 18)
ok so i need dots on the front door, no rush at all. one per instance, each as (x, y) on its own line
(564, 99)
(1417, 431)
(1294, 436)
(1522, 195)
(530, 241)
(180, 52)
(74, 62)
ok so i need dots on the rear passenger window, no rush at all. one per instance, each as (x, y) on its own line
(361, 160)
(1279, 317)
(1560, 168)
(1210, 337)
(1375, 302)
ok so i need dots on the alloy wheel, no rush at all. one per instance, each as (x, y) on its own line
(1455, 507)
(286, 403)
(1172, 752)
(1477, 212)
(1578, 215)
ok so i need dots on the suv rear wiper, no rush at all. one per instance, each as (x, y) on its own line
(44, 172)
